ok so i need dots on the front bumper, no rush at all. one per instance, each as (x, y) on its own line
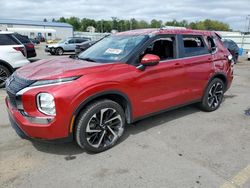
(50, 50)
(47, 49)
(16, 127)
(27, 129)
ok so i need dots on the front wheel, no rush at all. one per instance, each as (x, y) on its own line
(59, 51)
(100, 125)
(213, 95)
(4, 74)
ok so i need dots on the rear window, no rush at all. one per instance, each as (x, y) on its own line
(7, 39)
(194, 45)
(22, 39)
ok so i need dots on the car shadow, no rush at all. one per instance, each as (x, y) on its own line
(72, 149)
(158, 120)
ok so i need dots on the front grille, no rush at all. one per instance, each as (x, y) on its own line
(12, 99)
(13, 85)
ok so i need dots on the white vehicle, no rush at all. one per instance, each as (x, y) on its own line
(248, 55)
(12, 55)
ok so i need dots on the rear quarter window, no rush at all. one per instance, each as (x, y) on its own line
(194, 46)
(7, 39)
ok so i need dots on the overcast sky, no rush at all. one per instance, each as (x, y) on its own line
(233, 12)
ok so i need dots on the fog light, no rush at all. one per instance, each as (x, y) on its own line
(46, 103)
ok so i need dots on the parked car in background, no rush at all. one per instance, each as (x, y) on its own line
(232, 47)
(83, 46)
(34, 41)
(248, 55)
(121, 79)
(67, 45)
(40, 38)
(12, 55)
(30, 48)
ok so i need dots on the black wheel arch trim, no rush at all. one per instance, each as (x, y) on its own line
(128, 110)
(219, 75)
(8, 66)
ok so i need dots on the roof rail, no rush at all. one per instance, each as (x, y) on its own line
(172, 27)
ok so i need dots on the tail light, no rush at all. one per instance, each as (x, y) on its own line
(21, 49)
(30, 45)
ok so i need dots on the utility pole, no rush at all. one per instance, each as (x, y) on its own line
(102, 26)
(130, 23)
(248, 28)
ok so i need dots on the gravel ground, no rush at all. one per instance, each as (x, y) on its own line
(183, 148)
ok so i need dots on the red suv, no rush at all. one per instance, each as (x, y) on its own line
(119, 80)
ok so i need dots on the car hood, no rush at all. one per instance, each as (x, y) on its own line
(53, 45)
(60, 68)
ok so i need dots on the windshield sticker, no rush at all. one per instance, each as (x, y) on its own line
(113, 51)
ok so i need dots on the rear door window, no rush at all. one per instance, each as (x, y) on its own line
(7, 39)
(194, 45)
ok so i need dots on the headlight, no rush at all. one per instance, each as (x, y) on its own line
(46, 103)
(230, 57)
(56, 81)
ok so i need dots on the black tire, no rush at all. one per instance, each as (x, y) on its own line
(52, 53)
(92, 130)
(213, 95)
(4, 74)
(59, 51)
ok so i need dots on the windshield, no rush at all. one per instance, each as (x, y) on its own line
(62, 41)
(112, 48)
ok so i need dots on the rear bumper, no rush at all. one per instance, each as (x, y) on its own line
(31, 131)
(31, 53)
(77, 51)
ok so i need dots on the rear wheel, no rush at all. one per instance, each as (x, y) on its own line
(213, 95)
(4, 74)
(100, 125)
(59, 51)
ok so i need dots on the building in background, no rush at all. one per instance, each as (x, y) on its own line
(91, 29)
(92, 36)
(37, 29)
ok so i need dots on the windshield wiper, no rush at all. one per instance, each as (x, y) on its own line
(87, 59)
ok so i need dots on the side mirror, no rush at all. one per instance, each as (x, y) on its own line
(66, 42)
(150, 60)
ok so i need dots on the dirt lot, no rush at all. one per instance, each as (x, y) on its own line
(182, 148)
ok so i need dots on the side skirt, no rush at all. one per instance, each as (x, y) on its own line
(165, 110)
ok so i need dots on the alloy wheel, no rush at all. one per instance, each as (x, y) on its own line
(3, 76)
(104, 128)
(215, 95)
(59, 51)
